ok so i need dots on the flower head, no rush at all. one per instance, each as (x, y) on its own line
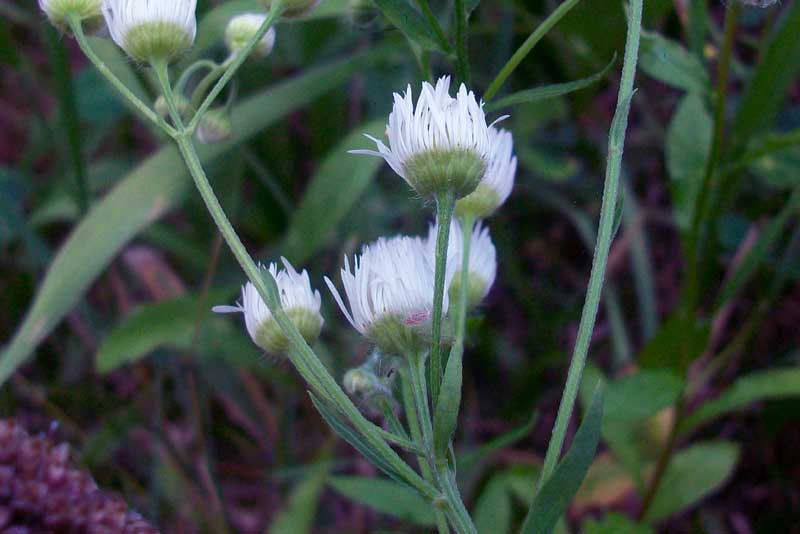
(440, 145)
(150, 30)
(482, 261)
(242, 28)
(498, 181)
(390, 291)
(298, 300)
(59, 11)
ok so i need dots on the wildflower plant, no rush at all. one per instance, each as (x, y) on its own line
(408, 297)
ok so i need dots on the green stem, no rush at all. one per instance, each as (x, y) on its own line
(462, 54)
(205, 84)
(445, 204)
(527, 46)
(141, 107)
(692, 292)
(434, 22)
(274, 13)
(467, 227)
(616, 144)
(300, 354)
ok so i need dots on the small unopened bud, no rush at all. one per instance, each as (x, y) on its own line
(162, 109)
(299, 302)
(214, 127)
(60, 11)
(358, 382)
(294, 8)
(242, 28)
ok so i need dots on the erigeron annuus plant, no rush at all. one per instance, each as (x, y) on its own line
(410, 296)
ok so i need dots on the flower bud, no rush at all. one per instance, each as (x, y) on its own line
(152, 30)
(242, 28)
(215, 127)
(298, 300)
(498, 181)
(358, 382)
(59, 11)
(162, 110)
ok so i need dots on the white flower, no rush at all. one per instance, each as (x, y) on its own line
(300, 302)
(482, 269)
(498, 181)
(441, 144)
(59, 11)
(151, 29)
(390, 291)
(242, 28)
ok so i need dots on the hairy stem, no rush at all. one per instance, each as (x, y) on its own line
(616, 146)
(445, 203)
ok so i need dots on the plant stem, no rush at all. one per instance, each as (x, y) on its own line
(692, 290)
(616, 144)
(274, 14)
(300, 354)
(141, 107)
(445, 203)
(462, 53)
(467, 227)
(527, 46)
(434, 22)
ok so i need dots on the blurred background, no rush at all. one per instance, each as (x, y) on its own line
(109, 266)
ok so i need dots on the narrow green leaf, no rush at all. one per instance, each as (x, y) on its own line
(773, 78)
(615, 524)
(669, 62)
(445, 419)
(641, 395)
(411, 23)
(387, 497)
(759, 252)
(676, 344)
(693, 474)
(493, 510)
(335, 189)
(550, 91)
(144, 195)
(755, 387)
(298, 516)
(347, 433)
(687, 151)
(552, 500)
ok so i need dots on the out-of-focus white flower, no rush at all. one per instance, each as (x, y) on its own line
(59, 11)
(151, 30)
(498, 181)
(242, 28)
(482, 261)
(300, 302)
(440, 145)
(390, 292)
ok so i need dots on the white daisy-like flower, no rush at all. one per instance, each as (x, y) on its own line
(300, 302)
(390, 292)
(242, 28)
(482, 261)
(150, 30)
(440, 145)
(498, 181)
(59, 11)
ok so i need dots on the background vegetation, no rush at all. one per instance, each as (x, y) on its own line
(110, 265)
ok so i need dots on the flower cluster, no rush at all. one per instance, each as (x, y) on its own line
(40, 491)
